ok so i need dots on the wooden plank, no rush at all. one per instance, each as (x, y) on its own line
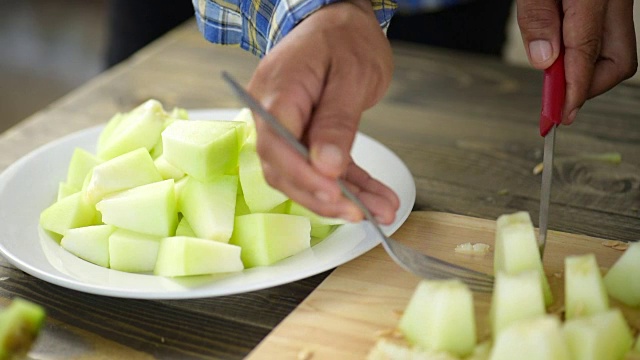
(344, 316)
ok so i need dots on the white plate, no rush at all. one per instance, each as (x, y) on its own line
(30, 185)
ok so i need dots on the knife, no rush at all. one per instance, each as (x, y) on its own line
(553, 96)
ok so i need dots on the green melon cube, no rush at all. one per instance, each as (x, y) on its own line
(178, 187)
(258, 194)
(209, 207)
(534, 339)
(585, 293)
(516, 249)
(515, 298)
(268, 238)
(621, 280)
(202, 149)
(81, 163)
(20, 324)
(90, 243)
(112, 124)
(65, 190)
(321, 226)
(322, 231)
(140, 128)
(70, 212)
(148, 209)
(184, 229)
(440, 316)
(131, 251)
(602, 336)
(186, 256)
(246, 117)
(167, 170)
(241, 205)
(124, 172)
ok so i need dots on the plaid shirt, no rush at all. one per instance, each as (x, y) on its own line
(257, 25)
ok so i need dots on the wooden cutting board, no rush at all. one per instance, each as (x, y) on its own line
(364, 298)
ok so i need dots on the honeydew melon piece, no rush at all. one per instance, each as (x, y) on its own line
(81, 163)
(157, 149)
(179, 113)
(516, 249)
(202, 149)
(178, 187)
(241, 205)
(391, 349)
(140, 128)
(167, 170)
(131, 251)
(70, 212)
(267, 238)
(533, 339)
(621, 281)
(515, 298)
(64, 190)
(148, 209)
(297, 209)
(440, 316)
(124, 172)
(246, 117)
(585, 293)
(258, 194)
(322, 231)
(209, 207)
(186, 256)
(601, 336)
(90, 243)
(184, 229)
(112, 124)
(20, 324)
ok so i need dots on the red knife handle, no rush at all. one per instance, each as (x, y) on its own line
(553, 93)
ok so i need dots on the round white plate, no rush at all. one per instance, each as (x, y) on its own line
(30, 185)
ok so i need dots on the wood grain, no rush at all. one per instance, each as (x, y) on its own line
(364, 298)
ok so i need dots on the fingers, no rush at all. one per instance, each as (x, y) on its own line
(540, 27)
(381, 200)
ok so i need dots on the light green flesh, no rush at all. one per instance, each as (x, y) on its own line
(81, 163)
(258, 194)
(184, 229)
(202, 149)
(602, 336)
(440, 316)
(121, 173)
(187, 256)
(209, 207)
(637, 347)
(534, 339)
(585, 293)
(166, 170)
(65, 190)
(20, 324)
(112, 124)
(515, 298)
(140, 128)
(148, 209)
(241, 205)
(179, 113)
(249, 129)
(268, 238)
(516, 249)
(322, 231)
(296, 209)
(621, 281)
(90, 243)
(133, 252)
(70, 212)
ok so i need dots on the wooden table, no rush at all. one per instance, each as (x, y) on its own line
(466, 126)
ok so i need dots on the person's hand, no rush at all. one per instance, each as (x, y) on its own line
(318, 80)
(599, 41)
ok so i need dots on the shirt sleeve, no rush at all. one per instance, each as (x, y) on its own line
(258, 25)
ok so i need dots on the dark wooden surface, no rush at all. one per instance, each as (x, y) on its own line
(466, 126)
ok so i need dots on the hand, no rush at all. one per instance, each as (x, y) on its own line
(318, 80)
(599, 41)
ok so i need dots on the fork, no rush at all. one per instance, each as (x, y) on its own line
(419, 264)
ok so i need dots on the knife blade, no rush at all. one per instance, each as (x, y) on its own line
(553, 96)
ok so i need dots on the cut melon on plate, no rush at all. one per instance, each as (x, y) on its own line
(187, 256)
(133, 252)
(70, 212)
(90, 243)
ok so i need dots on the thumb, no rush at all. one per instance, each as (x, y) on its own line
(540, 26)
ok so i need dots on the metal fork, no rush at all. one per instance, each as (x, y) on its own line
(422, 265)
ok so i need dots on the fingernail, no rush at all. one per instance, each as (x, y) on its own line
(572, 115)
(540, 51)
(330, 155)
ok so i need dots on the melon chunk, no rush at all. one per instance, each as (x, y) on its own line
(133, 252)
(440, 317)
(148, 209)
(184, 229)
(585, 293)
(516, 298)
(241, 205)
(209, 207)
(246, 117)
(90, 243)
(258, 194)
(20, 325)
(70, 212)
(268, 238)
(124, 172)
(202, 149)
(65, 190)
(516, 249)
(167, 170)
(534, 339)
(81, 163)
(140, 128)
(186, 256)
(601, 336)
(621, 280)
(321, 226)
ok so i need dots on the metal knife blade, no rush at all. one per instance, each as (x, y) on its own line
(545, 191)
